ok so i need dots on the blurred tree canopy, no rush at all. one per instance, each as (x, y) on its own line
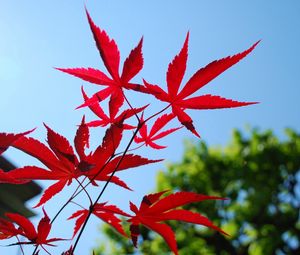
(261, 177)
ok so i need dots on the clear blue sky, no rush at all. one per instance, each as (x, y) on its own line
(39, 35)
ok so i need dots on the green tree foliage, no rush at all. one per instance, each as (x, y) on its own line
(261, 177)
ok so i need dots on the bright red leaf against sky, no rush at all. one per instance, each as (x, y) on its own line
(102, 211)
(180, 101)
(63, 165)
(111, 118)
(26, 229)
(150, 137)
(154, 210)
(110, 55)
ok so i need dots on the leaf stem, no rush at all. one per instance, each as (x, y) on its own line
(77, 204)
(20, 245)
(133, 149)
(85, 191)
(105, 185)
(76, 192)
(140, 124)
(131, 107)
(65, 204)
(159, 112)
(34, 251)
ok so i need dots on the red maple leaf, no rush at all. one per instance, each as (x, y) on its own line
(180, 101)
(64, 165)
(154, 210)
(102, 211)
(112, 118)
(7, 139)
(6, 178)
(153, 135)
(25, 228)
(8, 229)
(128, 161)
(110, 55)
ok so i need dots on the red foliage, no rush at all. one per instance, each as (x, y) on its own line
(110, 55)
(154, 210)
(180, 101)
(25, 228)
(7, 139)
(112, 118)
(103, 212)
(64, 163)
(153, 135)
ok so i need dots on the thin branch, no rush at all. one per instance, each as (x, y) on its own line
(105, 186)
(85, 191)
(131, 107)
(65, 204)
(21, 247)
(77, 205)
(133, 149)
(45, 250)
(140, 124)
(159, 112)
(35, 250)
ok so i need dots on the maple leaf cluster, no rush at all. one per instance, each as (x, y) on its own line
(65, 164)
